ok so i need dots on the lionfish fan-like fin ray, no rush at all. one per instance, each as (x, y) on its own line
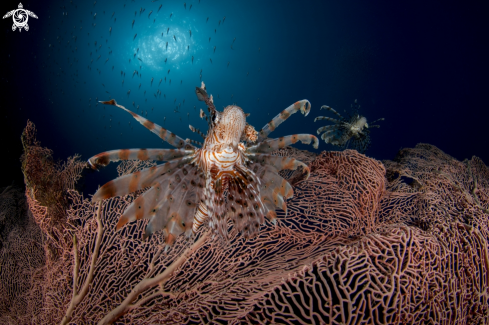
(333, 139)
(319, 118)
(164, 134)
(303, 105)
(187, 198)
(195, 130)
(174, 214)
(380, 119)
(104, 158)
(279, 163)
(272, 194)
(246, 209)
(138, 180)
(332, 110)
(195, 142)
(328, 128)
(202, 96)
(361, 144)
(272, 179)
(282, 142)
(205, 117)
(147, 204)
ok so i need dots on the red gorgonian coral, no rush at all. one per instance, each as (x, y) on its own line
(398, 242)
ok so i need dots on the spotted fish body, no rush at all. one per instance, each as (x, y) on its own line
(231, 176)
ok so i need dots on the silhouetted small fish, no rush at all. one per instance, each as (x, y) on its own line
(135, 36)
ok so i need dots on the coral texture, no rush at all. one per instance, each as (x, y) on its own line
(364, 242)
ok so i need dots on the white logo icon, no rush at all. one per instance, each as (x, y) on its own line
(20, 17)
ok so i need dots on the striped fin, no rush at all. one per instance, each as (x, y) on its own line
(272, 182)
(303, 105)
(272, 193)
(176, 214)
(246, 208)
(201, 93)
(195, 130)
(332, 139)
(138, 180)
(195, 142)
(320, 118)
(283, 187)
(328, 128)
(205, 117)
(146, 203)
(282, 142)
(279, 162)
(104, 158)
(164, 134)
(332, 110)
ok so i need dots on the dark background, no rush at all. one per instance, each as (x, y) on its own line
(422, 65)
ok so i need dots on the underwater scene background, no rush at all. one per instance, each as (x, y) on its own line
(394, 232)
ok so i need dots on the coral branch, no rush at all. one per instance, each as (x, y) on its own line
(146, 283)
(78, 297)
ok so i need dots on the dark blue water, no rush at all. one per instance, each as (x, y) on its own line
(422, 66)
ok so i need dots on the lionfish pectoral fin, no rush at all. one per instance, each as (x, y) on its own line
(104, 158)
(282, 142)
(138, 180)
(181, 197)
(164, 134)
(303, 105)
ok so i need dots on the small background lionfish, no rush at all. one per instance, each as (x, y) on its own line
(229, 176)
(352, 131)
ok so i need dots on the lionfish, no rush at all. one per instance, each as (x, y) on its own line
(352, 131)
(229, 176)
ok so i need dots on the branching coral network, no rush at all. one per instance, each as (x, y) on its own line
(363, 242)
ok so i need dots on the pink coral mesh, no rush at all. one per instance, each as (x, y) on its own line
(363, 242)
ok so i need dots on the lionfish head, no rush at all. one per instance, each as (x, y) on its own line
(230, 125)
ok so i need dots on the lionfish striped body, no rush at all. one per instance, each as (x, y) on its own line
(352, 131)
(231, 176)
